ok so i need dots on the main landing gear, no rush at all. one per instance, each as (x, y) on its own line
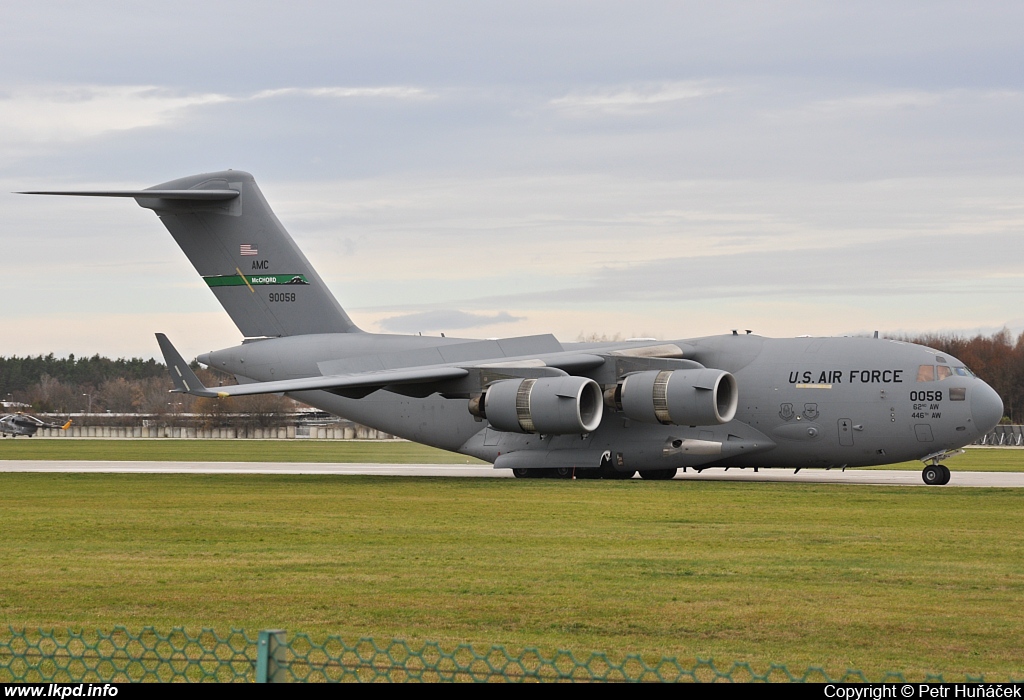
(570, 473)
(558, 473)
(935, 475)
(606, 470)
(658, 474)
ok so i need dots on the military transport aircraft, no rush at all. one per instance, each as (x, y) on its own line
(545, 408)
(15, 424)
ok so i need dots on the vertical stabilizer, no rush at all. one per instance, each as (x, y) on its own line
(246, 256)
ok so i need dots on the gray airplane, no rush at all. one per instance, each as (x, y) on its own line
(15, 424)
(545, 408)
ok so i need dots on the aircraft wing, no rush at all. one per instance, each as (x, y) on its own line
(357, 380)
(185, 380)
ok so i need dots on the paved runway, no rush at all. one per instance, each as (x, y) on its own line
(817, 476)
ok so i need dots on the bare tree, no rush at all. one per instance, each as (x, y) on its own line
(263, 410)
(51, 395)
(120, 395)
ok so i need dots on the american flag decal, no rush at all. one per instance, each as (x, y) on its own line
(247, 249)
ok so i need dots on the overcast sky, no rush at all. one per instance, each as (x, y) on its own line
(663, 169)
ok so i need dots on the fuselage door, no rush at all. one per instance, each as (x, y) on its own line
(845, 431)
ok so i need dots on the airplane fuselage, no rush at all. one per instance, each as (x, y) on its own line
(803, 403)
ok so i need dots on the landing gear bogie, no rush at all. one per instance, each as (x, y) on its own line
(935, 475)
(658, 474)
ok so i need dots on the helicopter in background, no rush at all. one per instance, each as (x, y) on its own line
(15, 424)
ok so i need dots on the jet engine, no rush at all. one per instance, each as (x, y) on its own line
(549, 405)
(677, 397)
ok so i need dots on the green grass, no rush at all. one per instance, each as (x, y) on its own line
(979, 459)
(155, 450)
(976, 459)
(911, 579)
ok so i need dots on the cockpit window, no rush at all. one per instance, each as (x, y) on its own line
(931, 373)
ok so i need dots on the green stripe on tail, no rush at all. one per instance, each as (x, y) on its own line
(253, 280)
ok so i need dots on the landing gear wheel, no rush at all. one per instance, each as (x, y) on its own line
(522, 473)
(933, 475)
(945, 474)
(658, 474)
(561, 473)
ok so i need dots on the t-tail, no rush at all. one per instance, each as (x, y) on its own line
(232, 237)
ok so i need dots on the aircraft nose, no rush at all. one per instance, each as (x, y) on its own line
(986, 408)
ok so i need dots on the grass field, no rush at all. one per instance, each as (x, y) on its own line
(338, 451)
(324, 451)
(912, 579)
(976, 459)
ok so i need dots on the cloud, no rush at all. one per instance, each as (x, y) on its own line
(896, 100)
(67, 113)
(399, 92)
(71, 113)
(921, 265)
(633, 99)
(442, 320)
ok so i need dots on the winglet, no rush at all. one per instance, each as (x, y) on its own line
(185, 380)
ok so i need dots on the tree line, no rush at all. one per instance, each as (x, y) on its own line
(19, 374)
(101, 385)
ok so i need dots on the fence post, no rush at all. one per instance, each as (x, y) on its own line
(270, 657)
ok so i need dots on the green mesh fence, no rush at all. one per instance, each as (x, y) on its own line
(38, 656)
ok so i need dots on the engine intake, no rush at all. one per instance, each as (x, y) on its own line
(677, 397)
(549, 405)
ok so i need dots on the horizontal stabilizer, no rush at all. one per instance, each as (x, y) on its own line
(192, 195)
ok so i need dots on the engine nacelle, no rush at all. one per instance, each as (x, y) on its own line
(678, 397)
(549, 405)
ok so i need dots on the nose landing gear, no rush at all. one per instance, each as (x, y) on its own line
(935, 475)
